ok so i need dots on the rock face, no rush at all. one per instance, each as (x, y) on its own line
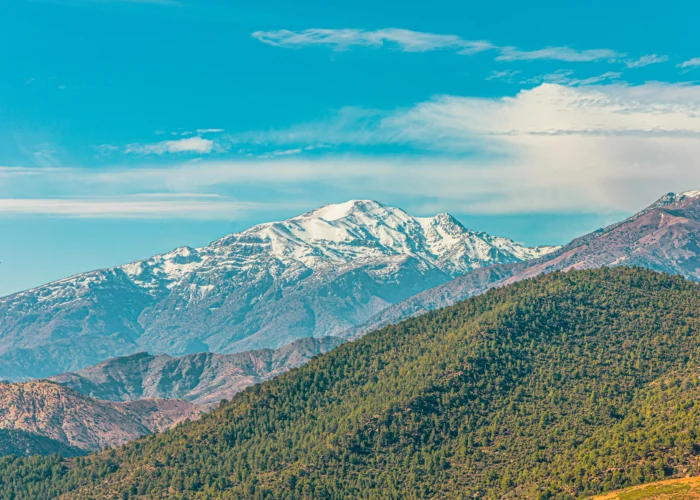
(664, 237)
(78, 421)
(314, 275)
(203, 378)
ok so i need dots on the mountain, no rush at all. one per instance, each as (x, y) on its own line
(314, 275)
(203, 378)
(663, 237)
(562, 386)
(77, 421)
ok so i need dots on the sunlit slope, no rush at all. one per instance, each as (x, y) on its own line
(672, 489)
(564, 386)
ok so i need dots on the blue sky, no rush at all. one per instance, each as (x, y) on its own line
(130, 127)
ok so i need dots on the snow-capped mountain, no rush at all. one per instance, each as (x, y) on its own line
(316, 274)
(664, 237)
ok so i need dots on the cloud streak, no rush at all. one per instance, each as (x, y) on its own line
(645, 61)
(343, 39)
(565, 54)
(188, 145)
(566, 77)
(199, 207)
(418, 41)
(690, 63)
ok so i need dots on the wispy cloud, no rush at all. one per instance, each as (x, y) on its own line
(209, 130)
(690, 63)
(594, 148)
(418, 41)
(342, 39)
(188, 145)
(566, 54)
(554, 147)
(566, 77)
(505, 75)
(182, 206)
(646, 61)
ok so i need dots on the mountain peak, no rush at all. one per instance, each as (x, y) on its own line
(337, 211)
(670, 198)
(446, 219)
(687, 194)
(315, 274)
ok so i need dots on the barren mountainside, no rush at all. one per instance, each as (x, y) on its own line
(202, 378)
(73, 419)
(314, 275)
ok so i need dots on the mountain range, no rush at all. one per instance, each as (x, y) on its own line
(562, 386)
(664, 237)
(314, 275)
(202, 378)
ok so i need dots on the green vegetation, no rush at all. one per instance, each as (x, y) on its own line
(655, 491)
(563, 386)
(672, 489)
(19, 442)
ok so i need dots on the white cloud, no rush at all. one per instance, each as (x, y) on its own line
(506, 75)
(566, 77)
(209, 130)
(589, 147)
(342, 39)
(284, 152)
(188, 145)
(646, 61)
(558, 54)
(417, 41)
(690, 63)
(592, 148)
(128, 207)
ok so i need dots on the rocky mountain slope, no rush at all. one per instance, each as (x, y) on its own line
(314, 275)
(563, 386)
(663, 237)
(78, 421)
(203, 378)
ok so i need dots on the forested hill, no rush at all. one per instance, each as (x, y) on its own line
(565, 385)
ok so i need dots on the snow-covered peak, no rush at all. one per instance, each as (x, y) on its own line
(687, 194)
(333, 212)
(332, 238)
(666, 200)
(363, 232)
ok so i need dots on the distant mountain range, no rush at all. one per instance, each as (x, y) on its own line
(664, 237)
(203, 378)
(47, 410)
(318, 274)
